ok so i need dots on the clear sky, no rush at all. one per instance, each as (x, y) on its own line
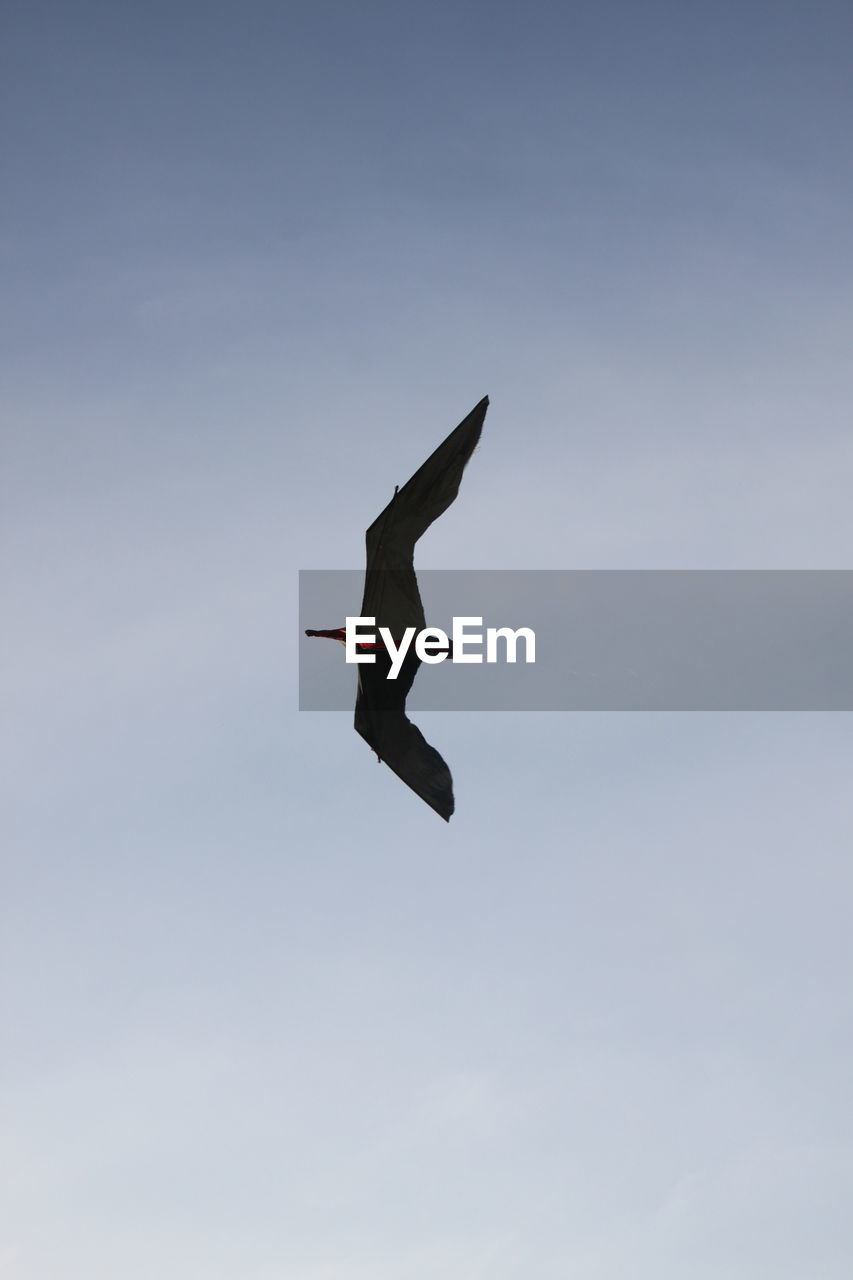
(265, 1017)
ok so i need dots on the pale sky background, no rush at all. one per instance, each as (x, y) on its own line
(265, 1017)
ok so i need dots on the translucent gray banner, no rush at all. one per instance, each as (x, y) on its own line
(694, 640)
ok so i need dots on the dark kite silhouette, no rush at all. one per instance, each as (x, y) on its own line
(391, 596)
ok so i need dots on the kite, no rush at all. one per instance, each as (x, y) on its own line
(391, 596)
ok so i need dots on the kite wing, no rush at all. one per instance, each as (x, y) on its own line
(380, 718)
(391, 593)
(391, 596)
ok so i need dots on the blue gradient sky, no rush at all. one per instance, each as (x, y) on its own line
(264, 1015)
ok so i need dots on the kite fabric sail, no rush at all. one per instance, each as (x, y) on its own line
(391, 596)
